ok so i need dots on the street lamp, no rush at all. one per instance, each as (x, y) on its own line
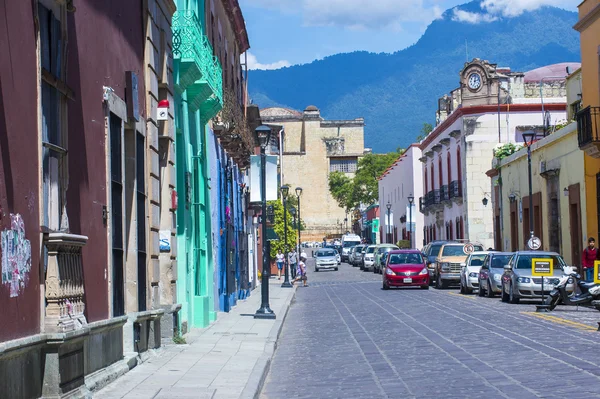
(346, 223)
(528, 138)
(285, 190)
(388, 222)
(292, 270)
(411, 199)
(298, 194)
(265, 312)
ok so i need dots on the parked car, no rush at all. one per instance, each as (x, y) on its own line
(469, 272)
(368, 258)
(518, 283)
(405, 268)
(326, 258)
(448, 263)
(379, 251)
(430, 252)
(359, 253)
(490, 274)
(348, 242)
(351, 254)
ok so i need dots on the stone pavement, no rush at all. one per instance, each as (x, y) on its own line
(228, 359)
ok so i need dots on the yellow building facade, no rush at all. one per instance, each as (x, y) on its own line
(588, 120)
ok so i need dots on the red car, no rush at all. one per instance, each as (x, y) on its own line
(405, 268)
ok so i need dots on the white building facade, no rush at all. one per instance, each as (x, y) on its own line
(492, 106)
(402, 180)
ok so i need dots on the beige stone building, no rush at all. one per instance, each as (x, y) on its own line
(312, 147)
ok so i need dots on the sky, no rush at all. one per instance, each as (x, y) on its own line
(289, 32)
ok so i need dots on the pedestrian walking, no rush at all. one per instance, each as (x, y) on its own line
(293, 259)
(280, 259)
(590, 254)
(301, 271)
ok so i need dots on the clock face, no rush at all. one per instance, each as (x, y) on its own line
(474, 81)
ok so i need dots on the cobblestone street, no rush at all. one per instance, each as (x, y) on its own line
(345, 337)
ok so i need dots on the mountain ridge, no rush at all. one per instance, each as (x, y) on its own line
(397, 92)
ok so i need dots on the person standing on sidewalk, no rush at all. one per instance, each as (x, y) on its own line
(293, 259)
(279, 258)
(590, 254)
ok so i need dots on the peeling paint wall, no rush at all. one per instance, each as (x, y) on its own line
(16, 256)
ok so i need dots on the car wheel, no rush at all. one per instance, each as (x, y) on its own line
(488, 290)
(316, 269)
(462, 288)
(425, 287)
(468, 290)
(511, 296)
(336, 269)
(505, 297)
(439, 283)
(385, 286)
(480, 291)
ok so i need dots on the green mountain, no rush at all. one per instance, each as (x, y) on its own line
(396, 93)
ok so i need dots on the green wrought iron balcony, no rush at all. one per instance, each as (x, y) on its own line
(200, 72)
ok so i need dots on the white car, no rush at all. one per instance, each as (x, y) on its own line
(469, 272)
(369, 258)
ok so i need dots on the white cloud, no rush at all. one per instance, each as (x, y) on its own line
(254, 64)
(471, 17)
(513, 8)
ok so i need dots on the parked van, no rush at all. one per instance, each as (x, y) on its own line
(348, 241)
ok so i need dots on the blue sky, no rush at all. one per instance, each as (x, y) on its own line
(288, 32)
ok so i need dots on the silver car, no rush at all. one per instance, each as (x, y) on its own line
(326, 258)
(469, 273)
(490, 274)
(357, 254)
(518, 282)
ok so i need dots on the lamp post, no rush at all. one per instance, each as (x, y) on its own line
(528, 139)
(265, 312)
(411, 199)
(292, 270)
(346, 223)
(298, 195)
(285, 190)
(388, 223)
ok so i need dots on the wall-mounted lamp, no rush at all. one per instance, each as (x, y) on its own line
(566, 192)
(512, 197)
(484, 201)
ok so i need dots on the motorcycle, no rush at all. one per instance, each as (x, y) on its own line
(590, 292)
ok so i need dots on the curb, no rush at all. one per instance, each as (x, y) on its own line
(262, 367)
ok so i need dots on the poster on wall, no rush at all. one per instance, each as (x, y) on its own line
(255, 178)
(165, 240)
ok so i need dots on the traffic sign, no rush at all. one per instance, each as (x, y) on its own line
(468, 249)
(542, 267)
(597, 272)
(534, 243)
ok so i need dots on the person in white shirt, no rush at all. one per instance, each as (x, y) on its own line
(301, 272)
(280, 259)
(293, 259)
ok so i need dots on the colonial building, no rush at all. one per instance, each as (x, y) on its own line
(312, 147)
(558, 189)
(399, 182)
(492, 105)
(588, 119)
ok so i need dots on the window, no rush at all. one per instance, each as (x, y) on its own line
(449, 162)
(431, 176)
(412, 258)
(53, 92)
(343, 165)
(458, 165)
(440, 172)
(426, 183)
(575, 108)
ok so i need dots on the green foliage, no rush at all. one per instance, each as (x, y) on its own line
(425, 130)
(279, 228)
(363, 188)
(403, 244)
(178, 339)
(506, 150)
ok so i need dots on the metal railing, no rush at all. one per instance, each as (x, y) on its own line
(189, 43)
(588, 125)
(445, 193)
(455, 189)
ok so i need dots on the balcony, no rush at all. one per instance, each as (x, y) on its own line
(455, 189)
(588, 131)
(437, 197)
(445, 193)
(199, 71)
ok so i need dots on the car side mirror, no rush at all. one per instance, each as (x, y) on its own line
(507, 267)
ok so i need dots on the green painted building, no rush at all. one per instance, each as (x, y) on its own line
(198, 98)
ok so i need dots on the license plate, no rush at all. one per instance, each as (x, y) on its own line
(407, 280)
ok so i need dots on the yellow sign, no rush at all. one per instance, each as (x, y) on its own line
(541, 267)
(597, 272)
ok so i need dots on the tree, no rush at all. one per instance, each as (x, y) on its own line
(425, 130)
(279, 228)
(349, 193)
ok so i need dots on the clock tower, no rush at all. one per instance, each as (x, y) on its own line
(479, 83)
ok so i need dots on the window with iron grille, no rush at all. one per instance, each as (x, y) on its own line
(343, 165)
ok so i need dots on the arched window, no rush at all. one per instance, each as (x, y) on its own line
(449, 163)
(440, 171)
(431, 176)
(462, 227)
(426, 182)
(458, 166)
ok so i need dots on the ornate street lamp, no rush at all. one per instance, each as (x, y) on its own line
(285, 190)
(411, 199)
(528, 138)
(388, 224)
(265, 312)
(298, 195)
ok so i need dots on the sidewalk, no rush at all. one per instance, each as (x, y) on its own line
(228, 359)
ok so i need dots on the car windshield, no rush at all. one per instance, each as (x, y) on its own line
(457, 250)
(499, 261)
(325, 252)
(404, 259)
(524, 261)
(385, 249)
(434, 250)
(348, 244)
(370, 250)
(477, 260)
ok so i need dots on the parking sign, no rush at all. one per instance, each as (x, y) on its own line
(541, 267)
(597, 272)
